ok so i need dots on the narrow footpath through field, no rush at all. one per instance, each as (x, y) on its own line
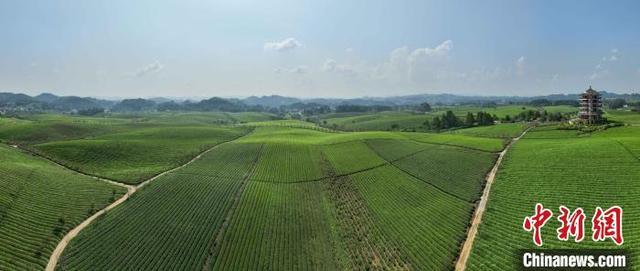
(477, 215)
(131, 189)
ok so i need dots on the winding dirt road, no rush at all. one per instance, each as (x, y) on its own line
(477, 215)
(57, 252)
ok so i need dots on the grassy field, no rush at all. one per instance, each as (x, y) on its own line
(39, 203)
(602, 169)
(626, 116)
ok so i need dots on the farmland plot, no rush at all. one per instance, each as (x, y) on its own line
(297, 199)
(381, 121)
(391, 150)
(278, 226)
(463, 178)
(505, 130)
(288, 163)
(171, 223)
(479, 143)
(134, 156)
(360, 243)
(351, 156)
(600, 170)
(33, 132)
(39, 203)
(414, 215)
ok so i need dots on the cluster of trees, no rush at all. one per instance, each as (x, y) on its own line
(448, 120)
(616, 103)
(424, 107)
(535, 115)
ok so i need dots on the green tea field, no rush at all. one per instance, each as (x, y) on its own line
(39, 203)
(234, 135)
(560, 168)
(292, 205)
(289, 195)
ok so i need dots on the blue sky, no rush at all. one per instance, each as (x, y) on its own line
(318, 48)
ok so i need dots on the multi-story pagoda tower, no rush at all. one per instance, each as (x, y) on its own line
(591, 106)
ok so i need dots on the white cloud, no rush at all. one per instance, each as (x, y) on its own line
(613, 58)
(429, 64)
(398, 57)
(614, 50)
(421, 65)
(440, 51)
(285, 45)
(149, 69)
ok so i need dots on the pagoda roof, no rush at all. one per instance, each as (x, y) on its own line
(590, 90)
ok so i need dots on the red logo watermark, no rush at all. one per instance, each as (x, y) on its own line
(604, 224)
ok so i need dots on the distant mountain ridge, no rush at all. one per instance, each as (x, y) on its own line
(444, 98)
(48, 101)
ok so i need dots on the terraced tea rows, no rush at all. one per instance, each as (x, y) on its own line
(292, 163)
(463, 179)
(600, 170)
(278, 226)
(169, 224)
(478, 143)
(134, 156)
(383, 121)
(39, 203)
(351, 156)
(361, 245)
(426, 224)
(505, 130)
(303, 205)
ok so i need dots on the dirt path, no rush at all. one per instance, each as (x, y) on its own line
(57, 252)
(477, 215)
